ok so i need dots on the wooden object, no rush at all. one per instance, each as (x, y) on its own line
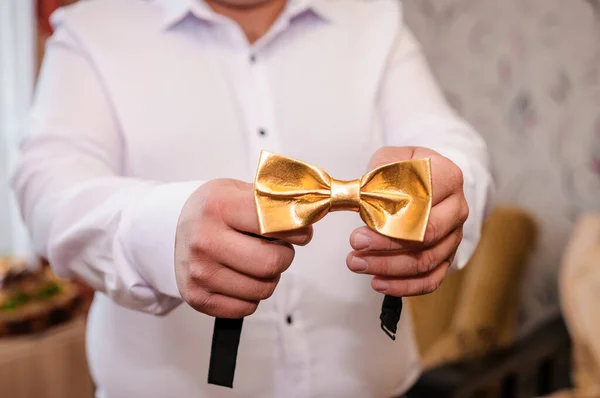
(47, 365)
(474, 311)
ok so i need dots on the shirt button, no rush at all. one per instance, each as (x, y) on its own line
(289, 320)
(262, 132)
(252, 58)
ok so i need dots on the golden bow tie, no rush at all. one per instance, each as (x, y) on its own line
(394, 199)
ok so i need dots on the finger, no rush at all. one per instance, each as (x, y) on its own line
(217, 278)
(388, 154)
(404, 264)
(452, 257)
(299, 237)
(248, 255)
(238, 211)
(447, 177)
(444, 218)
(412, 286)
(220, 306)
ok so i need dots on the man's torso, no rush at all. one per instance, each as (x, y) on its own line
(193, 101)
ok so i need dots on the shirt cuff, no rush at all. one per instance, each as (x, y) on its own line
(150, 237)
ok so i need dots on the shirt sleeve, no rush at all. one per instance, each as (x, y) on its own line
(415, 113)
(116, 233)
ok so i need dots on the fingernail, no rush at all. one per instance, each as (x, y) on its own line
(381, 286)
(358, 264)
(361, 241)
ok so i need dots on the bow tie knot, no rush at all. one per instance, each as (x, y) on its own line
(345, 195)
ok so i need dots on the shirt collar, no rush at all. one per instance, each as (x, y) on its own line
(176, 10)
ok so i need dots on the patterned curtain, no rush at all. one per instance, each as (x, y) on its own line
(526, 73)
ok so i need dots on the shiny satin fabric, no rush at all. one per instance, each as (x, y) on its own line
(394, 199)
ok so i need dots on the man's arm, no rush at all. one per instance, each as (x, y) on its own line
(419, 124)
(416, 114)
(116, 233)
(148, 245)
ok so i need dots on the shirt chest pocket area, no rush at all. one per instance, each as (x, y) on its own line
(341, 143)
(189, 145)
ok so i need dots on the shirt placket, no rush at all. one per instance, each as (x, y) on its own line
(263, 134)
(250, 78)
(291, 374)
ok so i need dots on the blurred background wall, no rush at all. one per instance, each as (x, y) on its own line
(17, 62)
(526, 73)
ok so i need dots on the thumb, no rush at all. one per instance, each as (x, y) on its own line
(390, 154)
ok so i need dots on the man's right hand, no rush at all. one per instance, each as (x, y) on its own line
(223, 268)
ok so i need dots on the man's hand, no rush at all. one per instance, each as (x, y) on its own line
(404, 268)
(223, 268)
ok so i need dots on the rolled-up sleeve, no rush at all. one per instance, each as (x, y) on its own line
(116, 233)
(415, 113)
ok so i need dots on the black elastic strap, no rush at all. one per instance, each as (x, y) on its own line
(223, 353)
(390, 315)
(227, 333)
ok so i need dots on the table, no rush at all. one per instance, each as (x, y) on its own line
(51, 364)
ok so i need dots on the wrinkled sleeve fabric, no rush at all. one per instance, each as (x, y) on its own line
(415, 113)
(115, 232)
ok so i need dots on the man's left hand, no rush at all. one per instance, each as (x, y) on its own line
(405, 268)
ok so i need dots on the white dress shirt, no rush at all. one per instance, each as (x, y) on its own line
(139, 102)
